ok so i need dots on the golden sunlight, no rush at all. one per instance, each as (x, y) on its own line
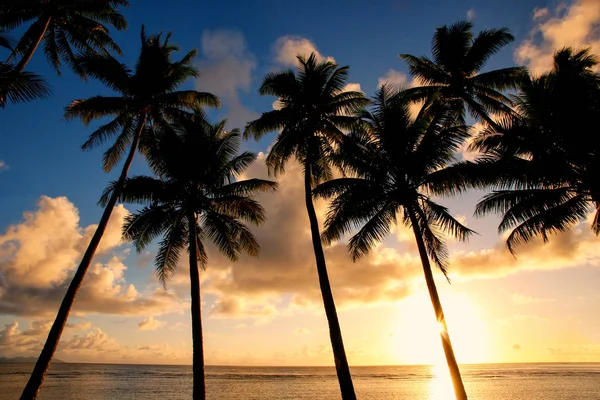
(418, 333)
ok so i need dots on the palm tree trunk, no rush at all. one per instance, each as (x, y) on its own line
(335, 332)
(199, 389)
(43, 363)
(31, 50)
(459, 388)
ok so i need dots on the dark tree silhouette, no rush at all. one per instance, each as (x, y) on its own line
(19, 86)
(314, 111)
(197, 198)
(454, 78)
(65, 27)
(544, 162)
(148, 96)
(392, 165)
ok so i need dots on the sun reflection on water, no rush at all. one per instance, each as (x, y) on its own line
(440, 384)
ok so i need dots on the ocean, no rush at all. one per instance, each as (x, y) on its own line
(159, 382)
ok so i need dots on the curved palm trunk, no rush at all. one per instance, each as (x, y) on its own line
(199, 389)
(27, 56)
(43, 363)
(459, 388)
(335, 333)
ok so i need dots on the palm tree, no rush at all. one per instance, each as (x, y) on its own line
(392, 163)
(314, 111)
(148, 97)
(197, 197)
(19, 86)
(544, 162)
(66, 27)
(454, 75)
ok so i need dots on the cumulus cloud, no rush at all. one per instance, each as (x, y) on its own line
(38, 257)
(576, 25)
(150, 324)
(574, 248)
(287, 48)
(396, 79)
(91, 344)
(226, 70)
(283, 279)
(352, 87)
(284, 275)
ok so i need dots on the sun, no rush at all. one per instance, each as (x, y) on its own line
(417, 340)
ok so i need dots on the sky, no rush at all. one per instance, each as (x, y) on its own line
(538, 307)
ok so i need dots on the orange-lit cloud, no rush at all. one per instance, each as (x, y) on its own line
(576, 25)
(39, 255)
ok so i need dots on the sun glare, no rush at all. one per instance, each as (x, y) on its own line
(417, 340)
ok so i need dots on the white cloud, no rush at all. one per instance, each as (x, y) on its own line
(396, 79)
(4, 166)
(150, 324)
(287, 48)
(352, 87)
(471, 14)
(225, 70)
(576, 25)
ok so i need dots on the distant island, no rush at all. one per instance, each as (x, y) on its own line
(26, 360)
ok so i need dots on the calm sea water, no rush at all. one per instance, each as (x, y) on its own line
(152, 382)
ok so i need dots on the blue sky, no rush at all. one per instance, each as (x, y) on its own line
(238, 43)
(42, 150)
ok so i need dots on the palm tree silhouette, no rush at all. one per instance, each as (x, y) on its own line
(314, 111)
(454, 75)
(148, 97)
(197, 198)
(66, 27)
(392, 165)
(19, 86)
(543, 162)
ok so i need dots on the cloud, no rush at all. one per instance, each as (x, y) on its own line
(352, 87)
(283, 278)
(150, 324)
(283, 281)
(302, 331)
(471, 14)
(516, 346)
(92, 344)
(576, 25)
(38, 257)
(287, 48)
(226, 70)
(4, 166)
(574, 248)
(540, 13)
(396, 79)
(521, 299)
